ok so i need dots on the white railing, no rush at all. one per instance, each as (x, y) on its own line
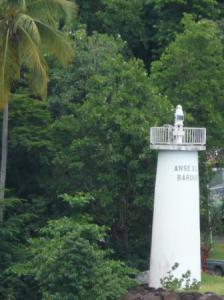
(165, 136)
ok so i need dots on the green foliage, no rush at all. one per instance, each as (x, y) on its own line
(29, 125)
(148, 26)
(26, 28)
(82, 158)
(217, 217)
(79, 200)
(67, 262)
(14, 234)
(172, 283)
(191, 72)
(125, 18)
(164, 18)
(106, 118)
(87, 13)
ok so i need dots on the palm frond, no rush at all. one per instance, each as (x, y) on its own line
(19, 4)
(28, 24)
(9, 67)
(30, 56)
(55, 42)
(51, 10)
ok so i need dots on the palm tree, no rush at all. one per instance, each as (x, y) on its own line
(28, 30)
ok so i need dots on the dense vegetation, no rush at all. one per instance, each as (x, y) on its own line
(80, 175)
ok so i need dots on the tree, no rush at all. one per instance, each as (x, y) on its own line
(191, 72)
(28, 29)
(148, 26)
(88, 272)
(101, 138)
(30, 148)
(163, 19)
(127, 19)
(30, 151)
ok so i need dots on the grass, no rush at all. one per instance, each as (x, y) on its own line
(218, 251)
(212, 283)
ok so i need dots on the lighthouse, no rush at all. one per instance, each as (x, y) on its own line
(176, 216)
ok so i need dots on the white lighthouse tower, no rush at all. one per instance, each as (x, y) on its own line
(176, 218)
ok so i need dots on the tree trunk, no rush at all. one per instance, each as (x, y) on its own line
(123, 223)
(3, 159)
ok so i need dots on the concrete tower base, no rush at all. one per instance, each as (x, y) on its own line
(176, 223)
